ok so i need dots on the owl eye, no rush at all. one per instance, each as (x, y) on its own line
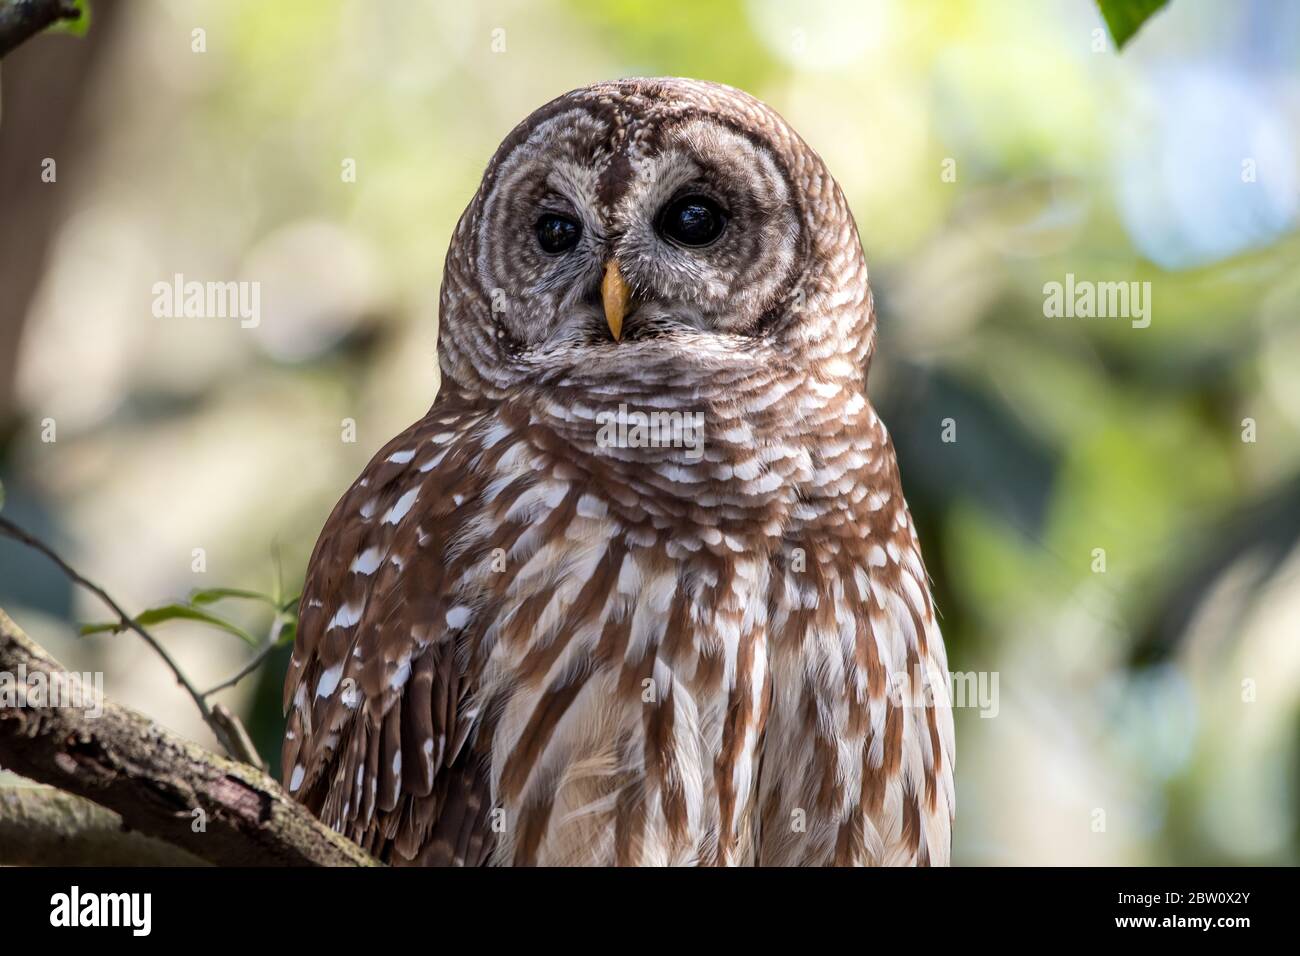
(692, 221)
(557, 234)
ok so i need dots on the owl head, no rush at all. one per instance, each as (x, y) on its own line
(653, 232)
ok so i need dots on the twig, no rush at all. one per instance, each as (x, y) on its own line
(231, 742)
(162, 785)
(234, 729)
(20, 20)
(254, 663)
(272, 635)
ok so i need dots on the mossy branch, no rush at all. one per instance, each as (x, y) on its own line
(160, 785)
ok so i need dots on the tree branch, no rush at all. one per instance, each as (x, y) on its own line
(20, 20)
(219, 810)
(41, 826)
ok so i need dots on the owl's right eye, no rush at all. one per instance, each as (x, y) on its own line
(557, 234)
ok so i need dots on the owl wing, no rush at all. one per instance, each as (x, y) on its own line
(381, 743)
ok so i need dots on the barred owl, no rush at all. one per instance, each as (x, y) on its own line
(529, 638)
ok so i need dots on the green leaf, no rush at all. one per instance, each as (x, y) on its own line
(76, 27)
(288, 633)
(1125, 17)
(211, 595)
(172, 612)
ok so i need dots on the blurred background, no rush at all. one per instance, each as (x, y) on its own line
(1114, 532)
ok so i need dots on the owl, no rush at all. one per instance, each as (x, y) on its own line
(641, 587)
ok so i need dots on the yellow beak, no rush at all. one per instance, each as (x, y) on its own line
(615, 293)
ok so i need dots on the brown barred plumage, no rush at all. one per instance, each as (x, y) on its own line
(524, 643)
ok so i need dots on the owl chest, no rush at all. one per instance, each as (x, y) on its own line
(625, 680)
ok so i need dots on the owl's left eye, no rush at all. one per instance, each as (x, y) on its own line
(557, 234)
(692, 221)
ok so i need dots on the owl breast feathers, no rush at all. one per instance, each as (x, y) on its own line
(641, 588)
